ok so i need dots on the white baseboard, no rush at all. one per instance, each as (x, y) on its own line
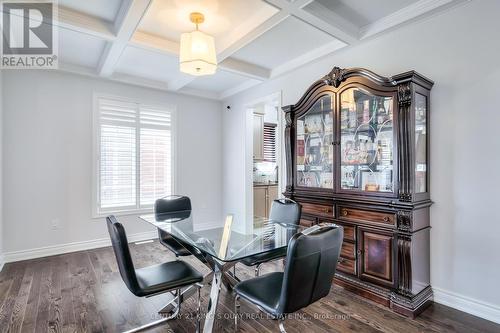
(466, 304)
(71, 247)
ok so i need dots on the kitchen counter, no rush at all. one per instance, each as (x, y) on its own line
(265, 184)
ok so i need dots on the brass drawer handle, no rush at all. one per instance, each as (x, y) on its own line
(345, 212)
(327, 209)
(341, 260)
(386, 219)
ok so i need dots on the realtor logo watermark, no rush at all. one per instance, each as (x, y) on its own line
(29, 38)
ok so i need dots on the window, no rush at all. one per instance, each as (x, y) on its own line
(269, 142)
(134, 155)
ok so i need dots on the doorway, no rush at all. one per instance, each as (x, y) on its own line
(267, 153)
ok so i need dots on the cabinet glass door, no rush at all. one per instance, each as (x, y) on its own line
(314, 152)
(366, 141)
(420, 143)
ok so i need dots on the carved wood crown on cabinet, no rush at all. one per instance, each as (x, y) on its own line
(357, 154)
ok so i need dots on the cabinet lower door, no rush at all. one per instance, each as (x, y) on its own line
(260, 201)
(272, 194)
(376, 256)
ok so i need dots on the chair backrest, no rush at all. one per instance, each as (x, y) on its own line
(285, 211)
(310, 267)
(122, 253)
(172, 203)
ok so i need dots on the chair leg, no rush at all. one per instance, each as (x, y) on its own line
(282, 327)
(236, 312)
(257, 269)
(198, 310)
(162, 320)
(176, 293)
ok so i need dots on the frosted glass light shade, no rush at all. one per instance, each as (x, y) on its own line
(197, 54)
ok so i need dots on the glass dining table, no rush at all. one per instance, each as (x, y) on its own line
(222, 247)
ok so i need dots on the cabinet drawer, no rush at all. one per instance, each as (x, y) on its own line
(305, 222)
(348, 251)
(361, 215)
(347, 266)
(349, 232)
(320, 210)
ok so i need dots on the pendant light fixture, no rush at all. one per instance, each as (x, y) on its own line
(197, 54)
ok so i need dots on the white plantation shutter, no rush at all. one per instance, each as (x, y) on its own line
(118, 166)
(135, 155)
(155, 154)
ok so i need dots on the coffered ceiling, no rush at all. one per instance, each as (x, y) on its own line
(137, 41)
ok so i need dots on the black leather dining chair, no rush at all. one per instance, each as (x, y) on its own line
(167, 205)
(308, 276)
(152, 280)
(284, 211)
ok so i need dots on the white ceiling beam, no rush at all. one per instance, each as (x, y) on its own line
(154, 43)
(334, 20)
(239, 39)
(326, 20)
(419, 9)
(76, 21)
(127, 21)
(244, 68)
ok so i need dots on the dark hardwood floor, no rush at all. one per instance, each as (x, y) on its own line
(83, 292)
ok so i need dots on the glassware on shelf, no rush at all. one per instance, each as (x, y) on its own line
(314, 150)
(366, 141)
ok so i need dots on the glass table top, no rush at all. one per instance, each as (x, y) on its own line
(225, 243)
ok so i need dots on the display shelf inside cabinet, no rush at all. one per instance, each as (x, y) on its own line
(357, 154)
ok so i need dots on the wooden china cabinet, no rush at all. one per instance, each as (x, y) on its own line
(357, 154)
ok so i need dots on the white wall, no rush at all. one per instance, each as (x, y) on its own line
(48, 157)
(459, 50)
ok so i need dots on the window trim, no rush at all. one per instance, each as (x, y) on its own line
(97, 212)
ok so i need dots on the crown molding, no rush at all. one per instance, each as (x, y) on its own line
(420, 9)
(134, 81)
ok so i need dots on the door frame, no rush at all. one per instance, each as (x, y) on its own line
(280, 156)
